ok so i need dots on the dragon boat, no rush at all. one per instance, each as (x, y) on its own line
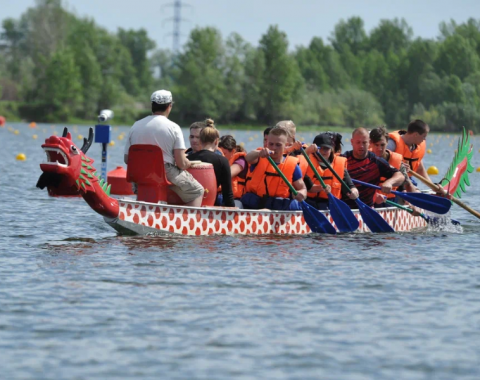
(68, 167)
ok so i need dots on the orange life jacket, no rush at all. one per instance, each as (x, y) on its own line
(339, 164)
(303, 163)
(265, 181)
(412, 158)
(395, 160)
(238, 184)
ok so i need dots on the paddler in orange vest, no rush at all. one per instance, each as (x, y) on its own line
(317, 196)
(293, 145)
(265, 188)
(235, 155)
(378, 145)
(411, 145)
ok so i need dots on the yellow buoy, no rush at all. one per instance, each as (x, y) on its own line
(16, 132)
(80, 137)
(432, 170)
(429, 151)
(120, 137)
(431, 144)
(21, 157)
(250, 139)
(478, 169)
(111, 143)
(242, 144)
(34, 137)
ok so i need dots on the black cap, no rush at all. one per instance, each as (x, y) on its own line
(323, 139)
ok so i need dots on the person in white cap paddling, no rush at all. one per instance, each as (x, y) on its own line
(157, 129)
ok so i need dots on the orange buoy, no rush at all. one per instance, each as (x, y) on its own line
(117, 178)
(2, 121)
(32, 125)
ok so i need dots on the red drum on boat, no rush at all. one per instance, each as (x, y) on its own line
(203, 172)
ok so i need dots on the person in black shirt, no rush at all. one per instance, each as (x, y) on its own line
(364, 166)
(209, 137)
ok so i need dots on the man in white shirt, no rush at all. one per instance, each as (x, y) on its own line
(157, 129)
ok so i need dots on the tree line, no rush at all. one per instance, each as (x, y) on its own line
(56, 66)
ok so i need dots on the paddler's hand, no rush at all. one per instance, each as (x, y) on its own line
(311, 149)
(353, 194)
(386, 187)
(415, 211)
(264, 153)
(328, 189)
(299, 197)
(379, 199)
(293, 147)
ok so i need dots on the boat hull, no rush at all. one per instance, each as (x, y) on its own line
(148, 218)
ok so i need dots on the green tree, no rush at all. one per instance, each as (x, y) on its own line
(200, 83)
(391, 35)
(138, 44)
(349, 34)
(457, 56)
(60, 89)
(282, 80)
(312, 71)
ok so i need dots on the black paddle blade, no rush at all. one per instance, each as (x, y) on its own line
(342, 215)
(316, 220)
(429, 202)
(373, 219)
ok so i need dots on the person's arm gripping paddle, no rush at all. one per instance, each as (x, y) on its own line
(342, 215)
(317, 221)
(372, 219)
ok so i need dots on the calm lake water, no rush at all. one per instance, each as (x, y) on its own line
(79, 302)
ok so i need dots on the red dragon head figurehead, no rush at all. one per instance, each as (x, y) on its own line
(68, 166)
(64, 158)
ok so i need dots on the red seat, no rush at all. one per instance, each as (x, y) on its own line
(145, 167)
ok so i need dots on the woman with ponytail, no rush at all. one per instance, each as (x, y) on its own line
(209, 138)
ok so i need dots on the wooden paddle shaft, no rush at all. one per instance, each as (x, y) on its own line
(439, 188)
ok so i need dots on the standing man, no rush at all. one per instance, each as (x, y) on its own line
(157, 129)
(411, 145)
(364, 166)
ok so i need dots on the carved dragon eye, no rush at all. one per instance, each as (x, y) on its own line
(74, 149)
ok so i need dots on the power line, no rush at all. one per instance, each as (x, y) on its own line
(177, 22)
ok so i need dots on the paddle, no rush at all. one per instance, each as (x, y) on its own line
(422, 215)
(342, 214)
(429, 202)
(439, 188)
(372, 219)
(314, 218)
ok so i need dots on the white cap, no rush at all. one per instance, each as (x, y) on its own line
(161, 97)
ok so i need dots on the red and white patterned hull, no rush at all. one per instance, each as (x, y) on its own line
(147, 218)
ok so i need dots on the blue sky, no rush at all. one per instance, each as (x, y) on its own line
(300, 19)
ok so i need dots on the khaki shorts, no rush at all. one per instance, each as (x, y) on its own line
(187, 187)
